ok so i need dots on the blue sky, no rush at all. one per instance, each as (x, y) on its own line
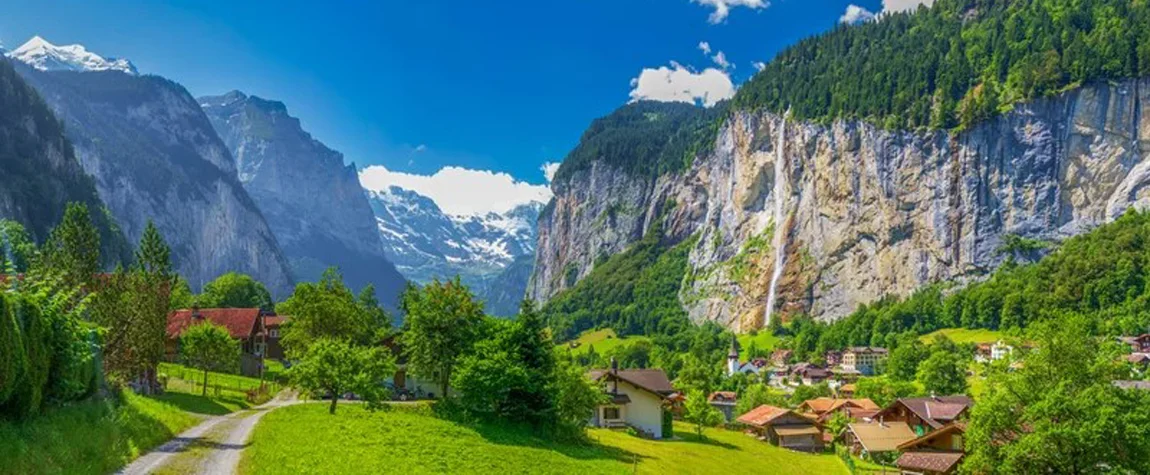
(419, 85)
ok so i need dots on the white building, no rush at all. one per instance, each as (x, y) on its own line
(636, 399)
(863, 359)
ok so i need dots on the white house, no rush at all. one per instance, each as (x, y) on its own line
(863, 359)
(636, 399)
(993, 352)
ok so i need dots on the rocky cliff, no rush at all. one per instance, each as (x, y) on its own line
(310, 198)
(862, 212)
(153, 155)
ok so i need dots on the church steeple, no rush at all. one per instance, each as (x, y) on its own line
(733, 357)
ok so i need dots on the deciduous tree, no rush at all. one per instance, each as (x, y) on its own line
(334, 367)
(442, 323)
(209, 347)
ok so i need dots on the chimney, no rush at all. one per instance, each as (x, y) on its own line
(615, 374)
(196, 312)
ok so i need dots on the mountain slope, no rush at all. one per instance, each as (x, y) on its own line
(489, 252)
(39, 173)
(311, 200)
(153, 155)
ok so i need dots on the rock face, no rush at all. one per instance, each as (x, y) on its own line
(153, 155)
(491, 253)
(312, 201)
(39, 173)
(866, 212)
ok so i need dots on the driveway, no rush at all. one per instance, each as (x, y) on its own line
(212, 447)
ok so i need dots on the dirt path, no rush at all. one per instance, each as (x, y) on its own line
(212, 447)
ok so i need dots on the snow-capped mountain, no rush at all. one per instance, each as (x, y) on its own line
(40, 54)
(426, 243)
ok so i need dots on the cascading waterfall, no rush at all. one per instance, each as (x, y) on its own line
(779, 242)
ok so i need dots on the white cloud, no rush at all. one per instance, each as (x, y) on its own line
(723, 7)
(856, 14)
(549, 170)
(421, 148)
(680, 84)
(720, 59)
(705, 47)
(460, 191)
(759, 65)
(892, 6)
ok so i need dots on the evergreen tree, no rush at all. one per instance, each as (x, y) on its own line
(72, 251)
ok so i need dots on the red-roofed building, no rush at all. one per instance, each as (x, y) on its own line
(244, 324)
(784, 428)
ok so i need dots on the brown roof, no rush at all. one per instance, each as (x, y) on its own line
(935, 410)
(921, 461)
(723, 397)
(653, 380)
(959, 427)
(240, 322)
(1138, 358)
(866, 349)
(881, 437)
(272, 321)
(826, 404)
(762, 415)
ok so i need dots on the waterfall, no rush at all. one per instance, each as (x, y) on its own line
(779, 239)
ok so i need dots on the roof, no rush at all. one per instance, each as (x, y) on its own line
(273, 321)
(866, 349)
(653, 380)
(1143, 385)
(762, 415)
(722, 397)
(240, 322)
(921, 461)
(826, 404)
(797, 430)
(881, 437)
(620, 398)
(959, 427)
(935, 410)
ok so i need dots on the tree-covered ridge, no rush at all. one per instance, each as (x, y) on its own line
(644, 138)
(955, 63)
(1103, 275)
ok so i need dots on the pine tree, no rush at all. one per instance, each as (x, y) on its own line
(73, 249)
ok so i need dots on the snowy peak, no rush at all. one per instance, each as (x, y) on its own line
(40, 54)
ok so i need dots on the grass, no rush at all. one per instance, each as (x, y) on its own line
(227, 393)
(94, 437)
(305, 439)
(964, 335)
(764, 340)
(603, 341)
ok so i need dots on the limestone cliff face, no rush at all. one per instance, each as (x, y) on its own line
(310, 198)
(153, 155)
(866, 212)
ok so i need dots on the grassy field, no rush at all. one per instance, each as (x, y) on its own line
(226, 392)
(89, 438)
(602, 340)
(764, 341)
(305, 439)
(964, 335)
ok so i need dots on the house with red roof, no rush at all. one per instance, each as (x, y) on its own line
(927, 414)
(784, 428)
(246, 325)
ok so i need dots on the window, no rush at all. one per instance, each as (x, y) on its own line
(610, 413)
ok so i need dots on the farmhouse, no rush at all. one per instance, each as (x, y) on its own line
(871, 438)
(784, 428)
(926, 414)
(823, 408)
(245, 325)
(635, 398)
(936, 453)
(725, 402)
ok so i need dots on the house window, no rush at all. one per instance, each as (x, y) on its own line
(610, 413)
(275, 333)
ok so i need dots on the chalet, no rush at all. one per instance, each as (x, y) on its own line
(987, 352)
(833, 358)
(869, 439)
(824, 408)
(784, 428)
(863, 359)
(926, 414)
(272, 326)
(936, 453)
(808, 374)
(725, 402)
(243, 324)
(635, 398)
(847, 390)
(1138, 344)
